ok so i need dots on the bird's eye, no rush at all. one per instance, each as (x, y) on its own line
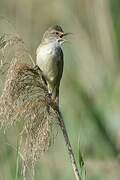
(56, 33)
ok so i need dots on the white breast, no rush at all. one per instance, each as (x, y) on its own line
(46, 61)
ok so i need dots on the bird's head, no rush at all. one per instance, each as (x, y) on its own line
(54, 33)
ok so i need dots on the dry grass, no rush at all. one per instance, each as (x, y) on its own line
(25, 98)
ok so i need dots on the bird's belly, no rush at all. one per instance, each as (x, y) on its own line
(48, 64)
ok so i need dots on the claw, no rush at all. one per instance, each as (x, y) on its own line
(36, 68)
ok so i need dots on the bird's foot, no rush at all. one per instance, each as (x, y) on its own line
(36, 68)
(49, 95)
(49, 98)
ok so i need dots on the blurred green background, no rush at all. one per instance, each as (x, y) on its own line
(90, 88)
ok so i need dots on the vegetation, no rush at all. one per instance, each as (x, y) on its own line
(89, 92)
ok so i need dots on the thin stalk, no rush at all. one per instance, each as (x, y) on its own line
(17, 162)
(69, 147)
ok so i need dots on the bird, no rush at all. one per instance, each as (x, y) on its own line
(50, 59)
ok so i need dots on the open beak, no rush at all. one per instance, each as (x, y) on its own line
(64, 34)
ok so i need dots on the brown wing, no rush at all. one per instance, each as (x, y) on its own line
(60, 65)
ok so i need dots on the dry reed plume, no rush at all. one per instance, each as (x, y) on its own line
(24, 98)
